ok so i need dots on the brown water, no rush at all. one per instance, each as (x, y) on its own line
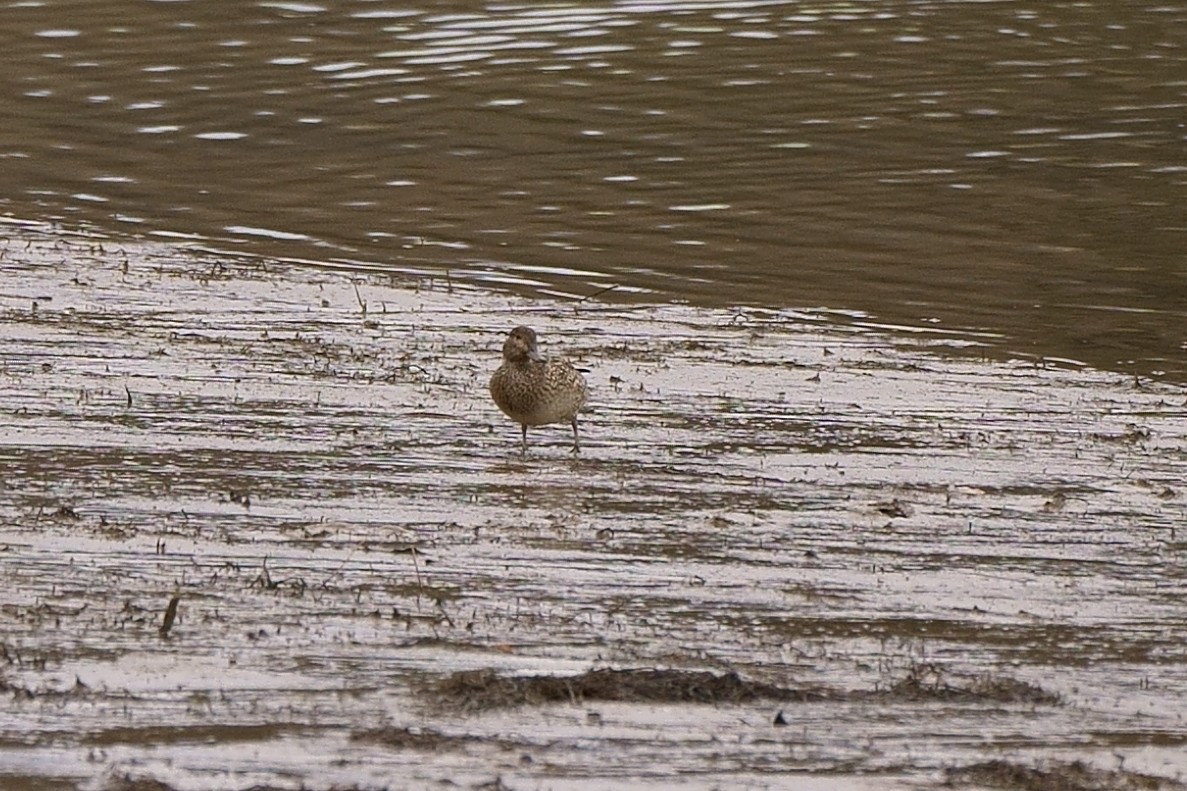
(1016, 168)
(309, 460)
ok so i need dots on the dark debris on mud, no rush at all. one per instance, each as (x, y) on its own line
(1054, 776)
(931, 683)
(405, 738)
(127, 782)
(478, 690)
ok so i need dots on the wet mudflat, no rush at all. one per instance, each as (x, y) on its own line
(797, 550)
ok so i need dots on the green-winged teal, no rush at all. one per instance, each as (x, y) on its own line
(534, 391)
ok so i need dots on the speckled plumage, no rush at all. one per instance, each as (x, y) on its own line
(534, 391)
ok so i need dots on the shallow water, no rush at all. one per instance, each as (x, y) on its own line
(1015, 169)
(345, 517)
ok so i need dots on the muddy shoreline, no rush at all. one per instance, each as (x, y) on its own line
(308, 460)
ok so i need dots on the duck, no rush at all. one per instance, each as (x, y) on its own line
(535, 391)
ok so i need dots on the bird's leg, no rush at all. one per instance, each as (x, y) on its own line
(576, 442)
(523, 450)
